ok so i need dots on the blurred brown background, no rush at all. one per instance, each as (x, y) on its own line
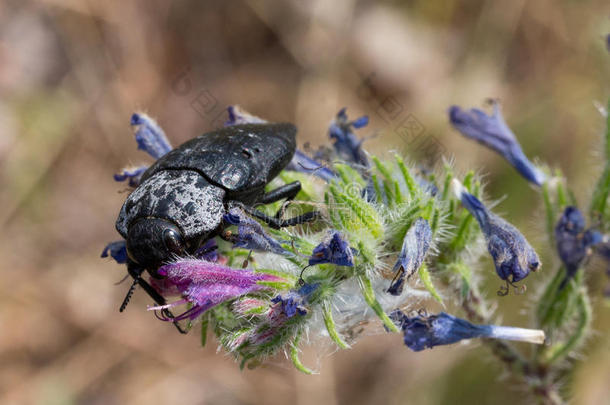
(71, 74)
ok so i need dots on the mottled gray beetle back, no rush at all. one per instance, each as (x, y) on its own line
(241, 159)
(183, 197)
(188, 185)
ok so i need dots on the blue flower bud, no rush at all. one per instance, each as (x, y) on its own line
(492, 131)
(574, 243)
(295, 301)
(427, 331)
(149, 136)
(250, 234)
(333, 250)
(346, 144)
(512, 254)
(117, 250)
(415, 247)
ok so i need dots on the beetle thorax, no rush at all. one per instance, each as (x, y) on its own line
(183, 197)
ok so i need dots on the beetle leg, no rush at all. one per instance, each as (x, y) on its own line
(287, 191)
(136, 273)
(278, 223)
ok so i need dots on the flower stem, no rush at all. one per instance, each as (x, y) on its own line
(369, 297)
(294, 355)
(560, 351)
(331, 328)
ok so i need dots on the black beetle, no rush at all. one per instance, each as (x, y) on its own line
(181, 199)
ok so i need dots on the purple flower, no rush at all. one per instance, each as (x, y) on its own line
(206, 284)
(133, 174)
(415, 246)
(427, 331)
(574, 243)
(346, 144)
(512, 254)
(117, 250)
(149, 136)
(238, 116)
(302, 163)
(492, 131)
(250, 234)
(334, 249)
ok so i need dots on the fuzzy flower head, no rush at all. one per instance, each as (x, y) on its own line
(149, 136)
(427, 331)
(206, 284)
(412, 255)
(492, 131)
(334, 249)
(250, 234)
(346, 144)
(270, 322)
(513, 256)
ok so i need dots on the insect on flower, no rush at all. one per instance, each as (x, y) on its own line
(513, 256)
(183, 197)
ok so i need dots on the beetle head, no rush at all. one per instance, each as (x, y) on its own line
(153, 241)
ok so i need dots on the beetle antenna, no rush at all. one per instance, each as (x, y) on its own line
(129, 294)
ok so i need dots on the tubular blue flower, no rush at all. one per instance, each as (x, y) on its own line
(427, 331)
(302, 163)
(334, 249)
(574, 243)
(492, 131)
(149, 136)
(132, 174)
(415, 247)
(238, 115)
(346, 144)
(250, 234)
(117, 250)
(206, 284)
(512, 254)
